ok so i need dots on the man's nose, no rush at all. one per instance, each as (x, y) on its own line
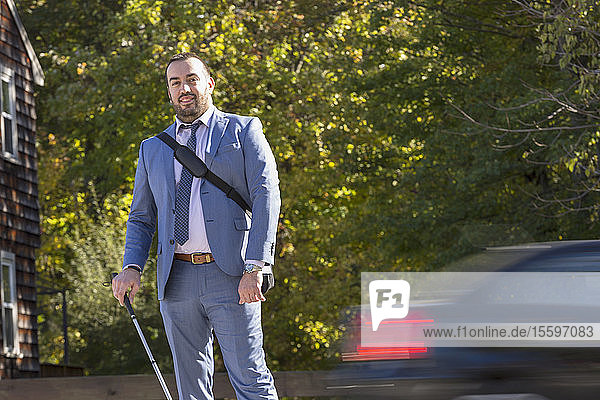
(186, 88)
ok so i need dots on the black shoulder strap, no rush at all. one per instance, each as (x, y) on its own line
(172, 143)
(199, 169)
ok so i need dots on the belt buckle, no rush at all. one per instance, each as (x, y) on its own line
(200, 258)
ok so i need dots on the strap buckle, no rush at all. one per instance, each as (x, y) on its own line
(200, 258)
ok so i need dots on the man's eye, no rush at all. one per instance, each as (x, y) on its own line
(174, 83)
(193, 79)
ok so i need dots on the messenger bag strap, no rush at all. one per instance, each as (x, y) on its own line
(199, 169)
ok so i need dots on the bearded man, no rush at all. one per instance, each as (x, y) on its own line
(211, 257)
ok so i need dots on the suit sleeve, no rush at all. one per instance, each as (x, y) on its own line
(263, 185)
(141, 223)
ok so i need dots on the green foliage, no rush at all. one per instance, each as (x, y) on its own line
(101, 336)
(392, 125)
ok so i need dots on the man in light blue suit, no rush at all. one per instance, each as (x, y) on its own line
(211, 256)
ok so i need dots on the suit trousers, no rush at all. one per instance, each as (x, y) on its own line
(202, 298)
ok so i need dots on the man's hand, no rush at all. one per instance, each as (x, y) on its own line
(127, 279)
(249, 288)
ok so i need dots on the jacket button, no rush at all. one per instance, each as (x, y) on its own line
(171, 241)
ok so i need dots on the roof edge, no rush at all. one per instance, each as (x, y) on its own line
(38, 73)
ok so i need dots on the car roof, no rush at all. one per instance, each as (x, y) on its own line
(570, 255)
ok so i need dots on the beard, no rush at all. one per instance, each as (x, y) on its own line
(192, 111)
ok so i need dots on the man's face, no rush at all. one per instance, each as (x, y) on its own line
(189, 88)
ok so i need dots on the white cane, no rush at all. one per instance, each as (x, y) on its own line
(150, 356)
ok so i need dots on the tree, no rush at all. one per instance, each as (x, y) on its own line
(365, 105)
(555, 124)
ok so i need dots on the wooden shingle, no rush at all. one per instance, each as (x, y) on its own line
(19, 206)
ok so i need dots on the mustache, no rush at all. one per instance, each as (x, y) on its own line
(186, 94)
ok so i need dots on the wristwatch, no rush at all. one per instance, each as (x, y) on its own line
(250, 268)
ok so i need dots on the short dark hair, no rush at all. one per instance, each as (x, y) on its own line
(184, 56)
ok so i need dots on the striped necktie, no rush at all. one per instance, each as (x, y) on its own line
(184, 189)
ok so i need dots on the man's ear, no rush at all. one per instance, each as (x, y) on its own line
(211, 85)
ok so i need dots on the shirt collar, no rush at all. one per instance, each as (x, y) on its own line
(204, 118)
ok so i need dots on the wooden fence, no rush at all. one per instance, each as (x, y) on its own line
(146, 387)
(300, 384)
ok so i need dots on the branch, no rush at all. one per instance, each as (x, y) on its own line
(512, 130)
(494, 29)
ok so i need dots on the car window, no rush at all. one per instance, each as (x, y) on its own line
(585, 261)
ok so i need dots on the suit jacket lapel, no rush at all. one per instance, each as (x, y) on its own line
(216, 130)
(167, 158)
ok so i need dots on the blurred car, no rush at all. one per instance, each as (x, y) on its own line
(470, 373)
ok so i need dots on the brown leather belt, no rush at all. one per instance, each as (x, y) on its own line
(195, 258)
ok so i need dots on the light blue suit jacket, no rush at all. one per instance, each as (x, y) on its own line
(238, 152)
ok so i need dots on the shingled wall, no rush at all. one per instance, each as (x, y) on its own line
(19, 208)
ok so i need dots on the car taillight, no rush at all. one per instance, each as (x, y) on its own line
(389, 342)
(385, 353)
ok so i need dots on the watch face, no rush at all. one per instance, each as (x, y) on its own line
(248, 267)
